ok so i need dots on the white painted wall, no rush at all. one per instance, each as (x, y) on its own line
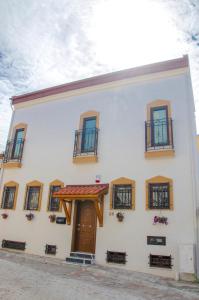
(48, 155)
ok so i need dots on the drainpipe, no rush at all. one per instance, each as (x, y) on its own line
(9, 133)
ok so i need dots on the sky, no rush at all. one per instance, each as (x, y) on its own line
(50, 42)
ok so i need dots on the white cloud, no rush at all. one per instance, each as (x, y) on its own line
(48, 42)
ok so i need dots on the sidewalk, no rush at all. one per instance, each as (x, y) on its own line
(28, 277)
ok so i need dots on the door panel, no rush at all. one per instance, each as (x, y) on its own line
(85, 227)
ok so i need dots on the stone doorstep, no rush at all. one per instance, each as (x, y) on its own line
(81, 258)
(83, 255)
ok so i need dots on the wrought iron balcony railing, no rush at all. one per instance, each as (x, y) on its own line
(14, 150)
(86, 142)
(159, 134)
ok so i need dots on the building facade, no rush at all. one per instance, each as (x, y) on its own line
(104, 168)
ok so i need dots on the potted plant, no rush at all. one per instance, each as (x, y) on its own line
(120, 216)
(4, 215)
(160, 220)
(52, 218)
(29, 216)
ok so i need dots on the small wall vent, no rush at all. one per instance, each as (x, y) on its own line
(160, 261)
(51, 249)
(13, 245)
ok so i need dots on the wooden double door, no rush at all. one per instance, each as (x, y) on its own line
(84, 227)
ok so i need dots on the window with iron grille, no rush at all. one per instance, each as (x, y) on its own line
(159, 126)
(54, 203)
(159, 196)
(122, 196)
(160, 261)
(8, 197)
(32, 198)
(18, 143)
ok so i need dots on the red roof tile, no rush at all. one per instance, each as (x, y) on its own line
(80, 190)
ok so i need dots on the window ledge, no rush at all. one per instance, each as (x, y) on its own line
(159, 209)
(5, 209)
(159, 153)
(12, 164)
(85, 159)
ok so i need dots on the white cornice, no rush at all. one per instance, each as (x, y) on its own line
(136, 80)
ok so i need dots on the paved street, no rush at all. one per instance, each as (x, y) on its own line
(25, 277)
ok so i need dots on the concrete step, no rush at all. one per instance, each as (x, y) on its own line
(82, 255)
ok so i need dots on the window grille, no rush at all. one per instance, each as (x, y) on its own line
(8, 197)
(160, 261)
(116, 257)
(32, 198)
(159, 196)
(54, 203)
(122, 196)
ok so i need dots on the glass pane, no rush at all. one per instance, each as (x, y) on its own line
(122, 195)
(17, 147)
(89, 123)
(9, 194)
(159, 114)
(54, 202)
(160, 126)
(88, 135)
(159, 196)
(33, 198)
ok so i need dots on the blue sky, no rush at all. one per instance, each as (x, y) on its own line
(49, 42)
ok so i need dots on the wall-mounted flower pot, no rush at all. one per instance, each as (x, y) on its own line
(4, 215)
(52, 218)
(120, 216)
(29, 216)
(160, 220)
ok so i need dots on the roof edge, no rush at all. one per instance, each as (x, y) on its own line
(162, 66)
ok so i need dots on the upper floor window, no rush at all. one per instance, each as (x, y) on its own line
(33, 196)
(86, 138)
(17, 143)
(159, 126)
(88, 135)
(14, 146)
(122, 193)
(159, 193)
(159, 129)
(9, 195)
(54, 203)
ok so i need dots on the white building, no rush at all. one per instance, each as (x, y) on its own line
(135, 133)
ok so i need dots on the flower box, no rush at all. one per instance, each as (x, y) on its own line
(4, 215)
(120, 216)
(52, 218)
(29, 216)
